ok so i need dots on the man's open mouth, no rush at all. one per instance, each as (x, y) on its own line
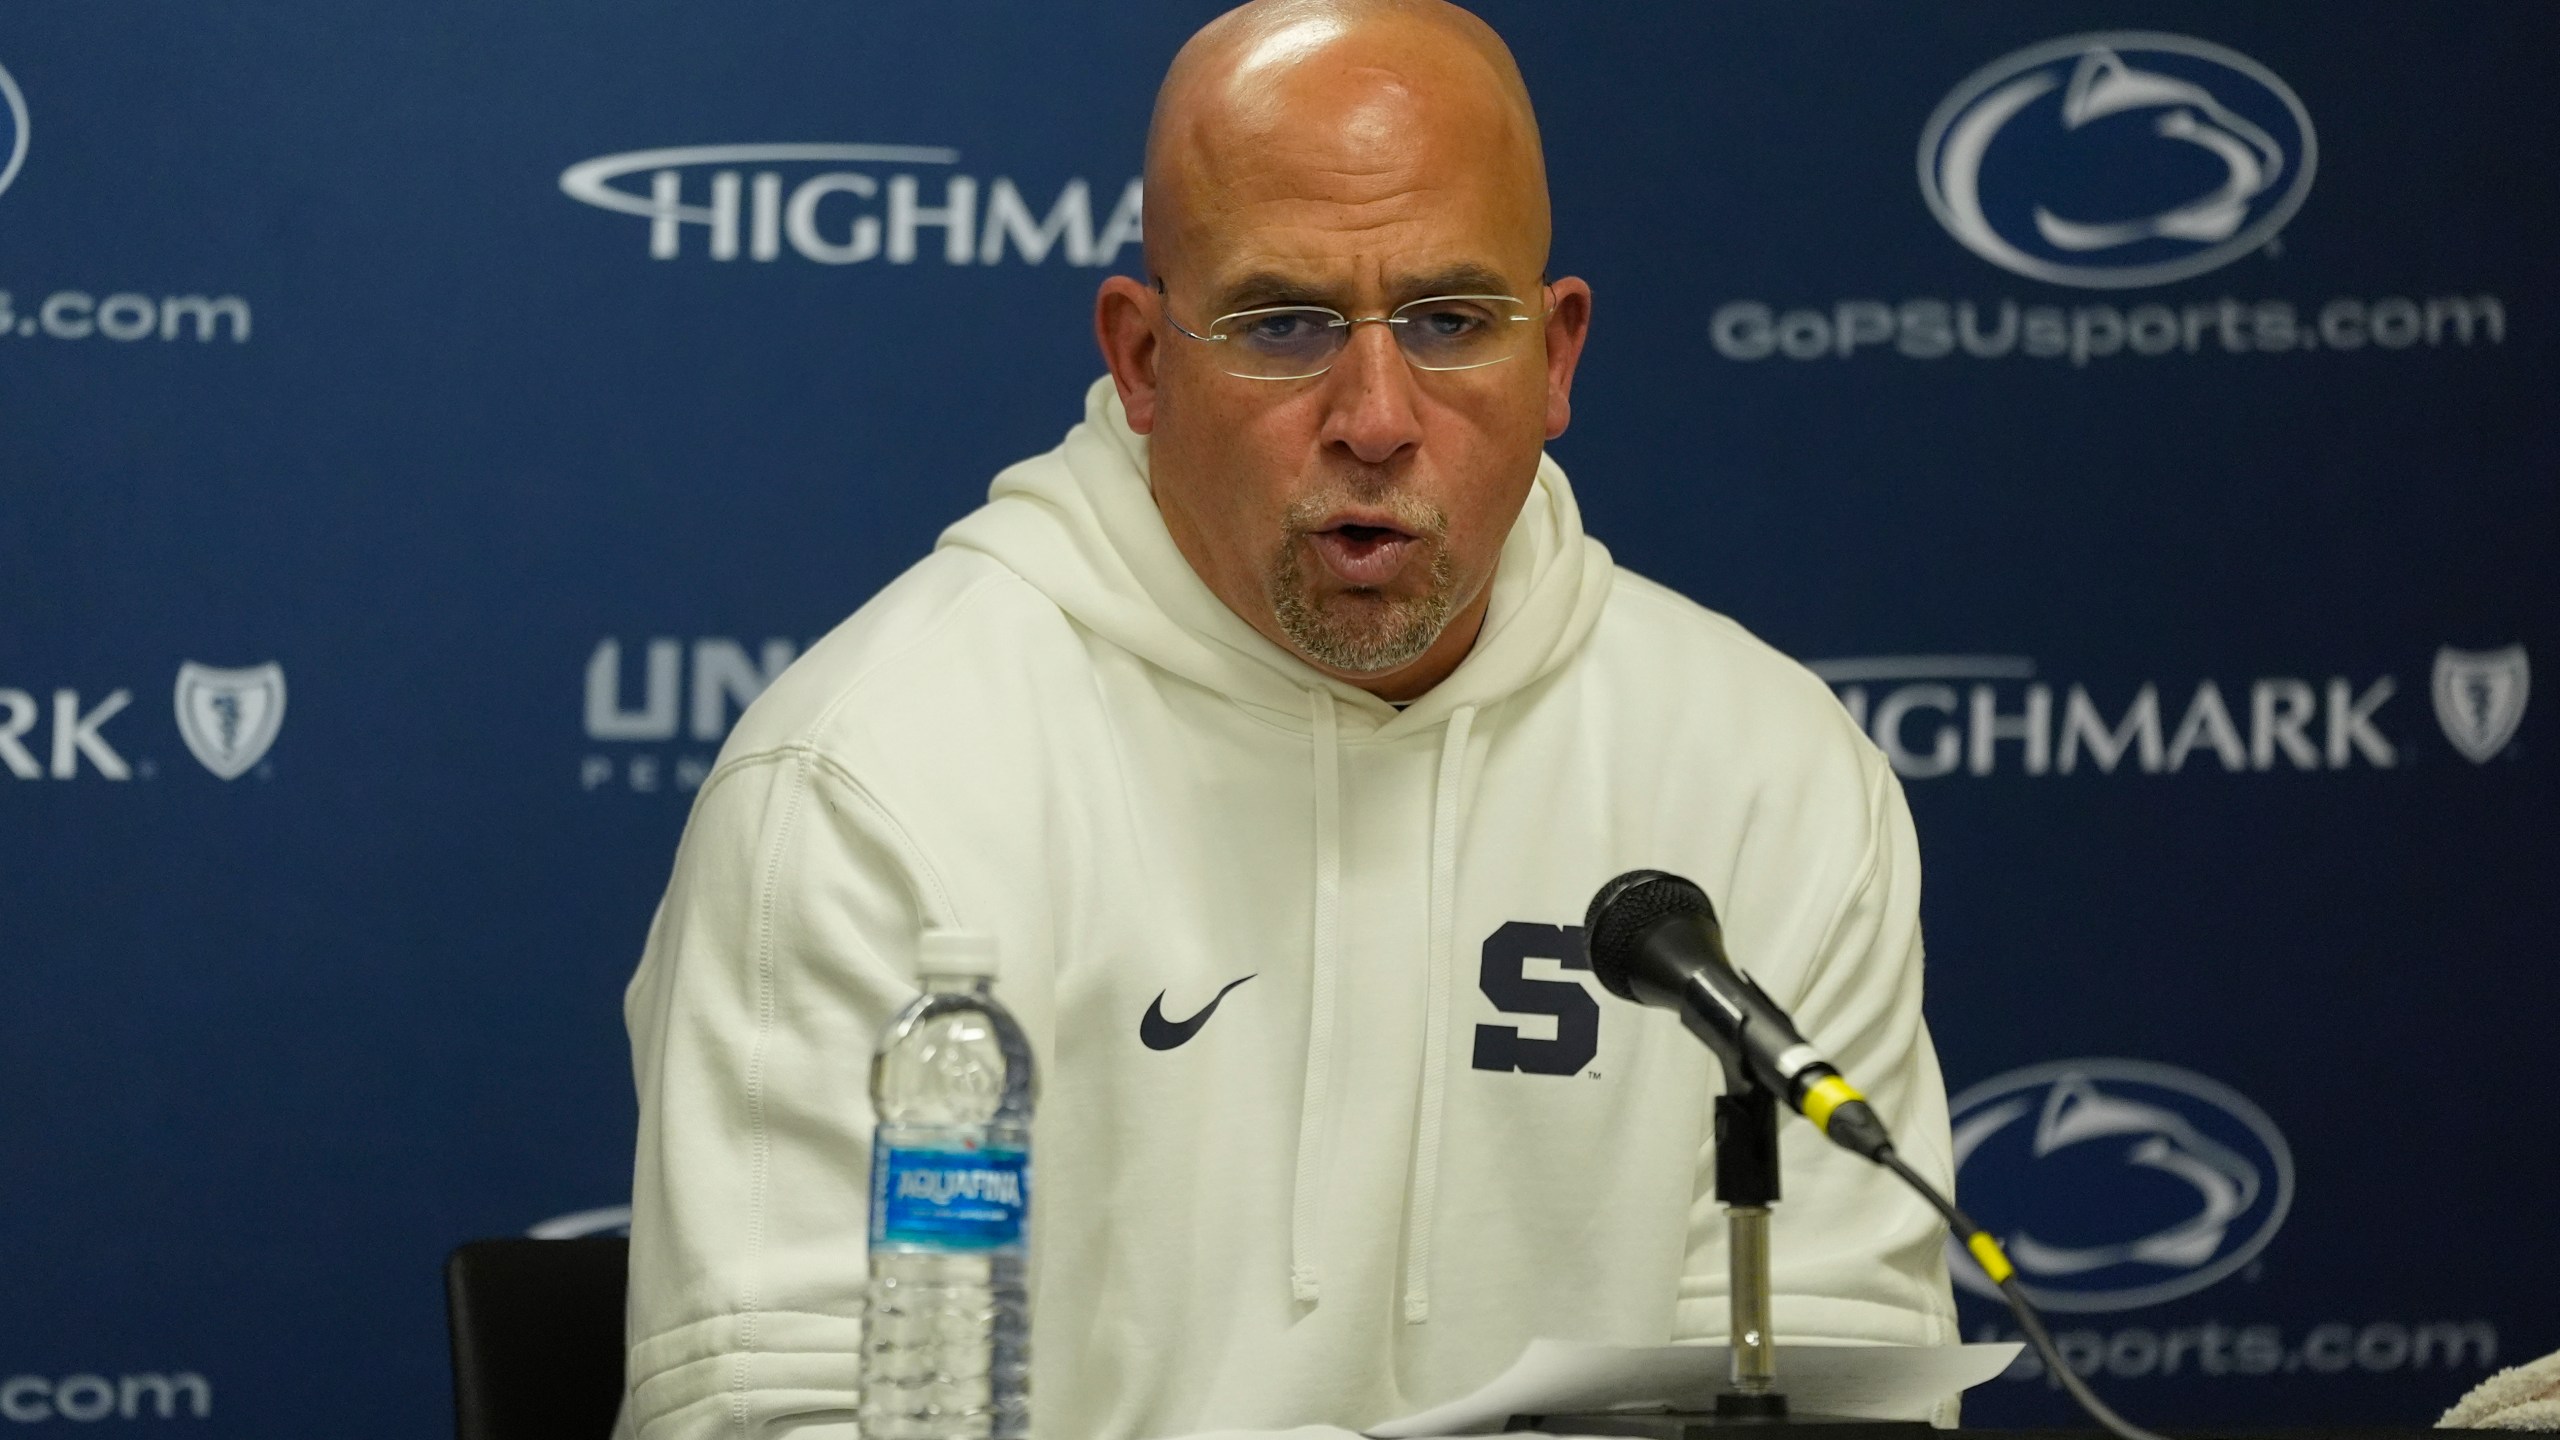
(1364, 553)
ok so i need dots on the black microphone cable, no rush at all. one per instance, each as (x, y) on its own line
(1844, 1117)
(1995, 1264)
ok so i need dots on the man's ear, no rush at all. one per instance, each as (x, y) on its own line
(1568, 325)
(1124, 321)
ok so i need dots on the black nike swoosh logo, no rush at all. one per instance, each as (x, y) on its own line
(1158, 1033)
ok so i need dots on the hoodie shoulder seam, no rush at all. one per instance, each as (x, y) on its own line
(936, 902)
(760, 1141)
(803, 756)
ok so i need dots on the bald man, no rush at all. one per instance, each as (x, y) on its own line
(1279, 725)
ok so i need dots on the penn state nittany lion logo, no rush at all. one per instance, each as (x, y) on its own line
(2117, 1183)
(13, 129)
(2480, 697)
(2118, 159)
(229, 717)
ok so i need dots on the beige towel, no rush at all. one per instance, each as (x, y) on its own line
(2526, 1397)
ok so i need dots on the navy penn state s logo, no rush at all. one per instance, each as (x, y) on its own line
(2115, 1184)
(1558, 1029)
(13, 129)
(2117, 159)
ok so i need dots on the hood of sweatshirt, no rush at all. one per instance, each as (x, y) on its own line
(1080, 524)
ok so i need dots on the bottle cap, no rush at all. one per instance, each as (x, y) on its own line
(958, 952)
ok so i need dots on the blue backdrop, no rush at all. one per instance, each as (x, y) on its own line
(421, 428)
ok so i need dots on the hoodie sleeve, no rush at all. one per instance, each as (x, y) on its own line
(1856, 1257)
(782, 949)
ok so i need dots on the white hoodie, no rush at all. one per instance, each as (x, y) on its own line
(1418, 1135)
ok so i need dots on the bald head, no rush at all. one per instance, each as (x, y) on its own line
(1376, 159)
(1375, 97)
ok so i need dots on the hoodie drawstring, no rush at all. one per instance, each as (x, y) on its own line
(1312, 1116)
(1435, 1034)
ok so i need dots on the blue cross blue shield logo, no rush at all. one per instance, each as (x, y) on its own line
(229, 717)
(2480, 697)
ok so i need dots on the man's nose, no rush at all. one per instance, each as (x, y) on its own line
(1371, 403)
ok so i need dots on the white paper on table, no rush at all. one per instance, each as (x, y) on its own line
(1868, 1382)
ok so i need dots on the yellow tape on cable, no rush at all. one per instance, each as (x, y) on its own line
(1826, 1095)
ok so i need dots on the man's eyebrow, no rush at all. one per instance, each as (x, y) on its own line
(1269, 287)
(1455, 280)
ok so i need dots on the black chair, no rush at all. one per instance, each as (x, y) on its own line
(537, 1337)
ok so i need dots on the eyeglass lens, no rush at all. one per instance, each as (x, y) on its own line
(1441, 333)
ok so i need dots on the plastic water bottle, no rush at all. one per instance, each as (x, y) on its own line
(946, 1345)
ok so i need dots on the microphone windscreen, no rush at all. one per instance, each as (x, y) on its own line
(1623, 910)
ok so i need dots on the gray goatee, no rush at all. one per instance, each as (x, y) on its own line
(1360, 632)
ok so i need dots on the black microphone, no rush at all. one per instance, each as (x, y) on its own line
(1653, 939)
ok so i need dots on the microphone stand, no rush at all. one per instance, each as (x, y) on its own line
(1746, 1185)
